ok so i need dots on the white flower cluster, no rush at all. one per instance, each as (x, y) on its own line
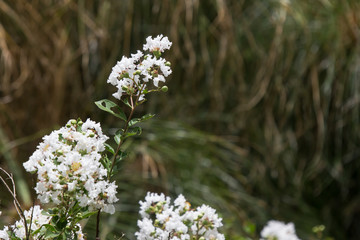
(279, 231)
(131, 75)
(163, 221)
(68, 167)
(38, 220)
(18, 229)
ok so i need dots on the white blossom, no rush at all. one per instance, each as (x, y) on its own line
(159, 43)
(68, 161)
(163, 221)
(38, 219)
(3, 233)
(132, 75)
(279, 230)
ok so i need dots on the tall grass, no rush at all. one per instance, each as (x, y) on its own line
(270, 90)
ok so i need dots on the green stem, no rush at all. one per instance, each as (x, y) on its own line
(133, 106)
(125, 130)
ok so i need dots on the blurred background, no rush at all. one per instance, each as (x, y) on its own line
(261, 120)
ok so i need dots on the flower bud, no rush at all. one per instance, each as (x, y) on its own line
(73, 121)
(164, 88)
(155, 73)
(156, 223)
(168, 64)
(150, 209)
(200, 215)
(158, 207)
(125, 75)
(157, 53)
(137, 72)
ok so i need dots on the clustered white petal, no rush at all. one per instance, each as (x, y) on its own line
(159, 43)
(38, 220)
(4, 233)
(131, 75)
(279, 230)
(163, 221)
(68, 167)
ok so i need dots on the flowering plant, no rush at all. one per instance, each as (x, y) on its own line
(163, 221)
(69, 170)
(74, 164)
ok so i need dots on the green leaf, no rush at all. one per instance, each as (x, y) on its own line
(105, 161)
(63, 236)
(117, 136)
(109, 148)
(88, 214)
(106, 106)
(141, 102)
(126, 101)
(143, 118)
(49, 231)
(132, 131)
(121, 156)
(120, 136)
(61, 224)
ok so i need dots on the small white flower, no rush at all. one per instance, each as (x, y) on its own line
(3, 233)
(38, 219)
(209, 214)
(68, 160)
(159, 43)
(163, 221)
(279, 230)
(131, 75)
(146, 229)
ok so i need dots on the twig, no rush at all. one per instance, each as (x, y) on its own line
(98, 225)
(16, 202)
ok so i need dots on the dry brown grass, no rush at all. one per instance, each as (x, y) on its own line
(279, 79)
